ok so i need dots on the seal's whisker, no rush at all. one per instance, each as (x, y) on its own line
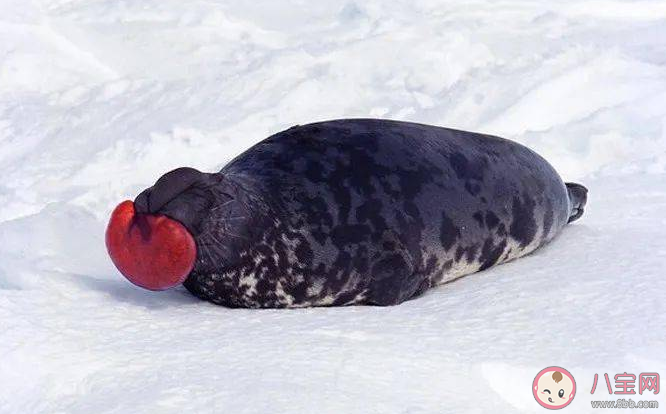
(205, 252)
(222, 205)
(234, 235)
(213, 236)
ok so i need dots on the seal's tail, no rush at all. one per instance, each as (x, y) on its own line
(578, 198)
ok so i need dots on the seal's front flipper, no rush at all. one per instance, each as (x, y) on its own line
(578, 199)
(391, 270)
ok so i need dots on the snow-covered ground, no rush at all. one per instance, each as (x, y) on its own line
(98, 98)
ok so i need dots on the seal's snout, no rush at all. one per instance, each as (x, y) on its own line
(181, 195)
(152, 251)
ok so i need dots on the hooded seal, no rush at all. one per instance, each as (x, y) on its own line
(344, 212)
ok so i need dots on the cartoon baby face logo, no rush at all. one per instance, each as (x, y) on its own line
(554, 388)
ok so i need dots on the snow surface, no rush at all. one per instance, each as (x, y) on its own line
(98, 98)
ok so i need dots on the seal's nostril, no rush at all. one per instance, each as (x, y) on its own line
(140, 220)
(141, 202)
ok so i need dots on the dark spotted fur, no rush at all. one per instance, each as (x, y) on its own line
(364, 211)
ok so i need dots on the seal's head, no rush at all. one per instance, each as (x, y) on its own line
(152, 241)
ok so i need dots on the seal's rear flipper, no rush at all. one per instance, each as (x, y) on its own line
(578, 198)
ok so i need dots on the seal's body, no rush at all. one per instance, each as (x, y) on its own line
(361, 211)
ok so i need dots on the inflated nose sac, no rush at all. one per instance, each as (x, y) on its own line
(152, 251)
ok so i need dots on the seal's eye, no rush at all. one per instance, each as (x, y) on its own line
(547, 390)
(561, 393)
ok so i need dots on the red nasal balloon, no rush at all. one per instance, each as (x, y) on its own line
(151, 250)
